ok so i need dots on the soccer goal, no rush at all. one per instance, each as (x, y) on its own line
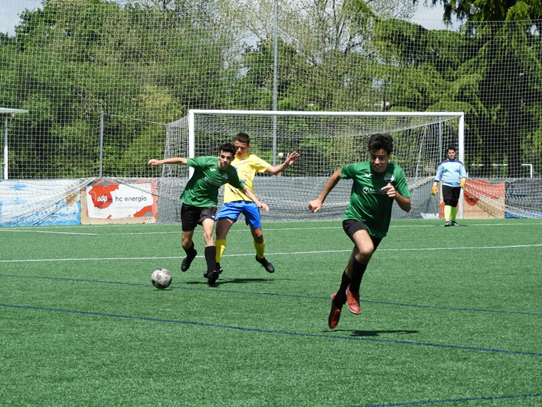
(326, 142)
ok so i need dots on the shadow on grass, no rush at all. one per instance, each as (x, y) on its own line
(219, 282)
(377, 333)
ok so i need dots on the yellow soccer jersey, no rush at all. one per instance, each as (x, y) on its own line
(246, 170)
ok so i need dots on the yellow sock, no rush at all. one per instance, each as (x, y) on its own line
(260, 249)
(454, 212)
(447, 212)
(220, 249)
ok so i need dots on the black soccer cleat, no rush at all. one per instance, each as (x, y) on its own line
(218, 269)
(212, 276)
(267, 266)
(187, 261)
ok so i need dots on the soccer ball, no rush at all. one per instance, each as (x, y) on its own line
(161, 278)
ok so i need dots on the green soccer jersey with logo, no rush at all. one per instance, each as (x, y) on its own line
(202, 188)
(368, 202)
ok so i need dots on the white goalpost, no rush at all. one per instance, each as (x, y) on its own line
(326, 141)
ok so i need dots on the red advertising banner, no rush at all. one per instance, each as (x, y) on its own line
(109, 202)
(482, 199)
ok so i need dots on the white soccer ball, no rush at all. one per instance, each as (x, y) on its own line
(161, 278)
(280, 155)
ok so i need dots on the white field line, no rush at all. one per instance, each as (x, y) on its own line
(32, 230)
(275, 254)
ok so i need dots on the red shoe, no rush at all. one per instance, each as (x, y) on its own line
(352, 301)
(334, 315)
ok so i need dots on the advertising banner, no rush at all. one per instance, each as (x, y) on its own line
(110, 202)
(39, 203)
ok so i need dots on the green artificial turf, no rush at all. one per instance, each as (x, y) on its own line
(450, 316)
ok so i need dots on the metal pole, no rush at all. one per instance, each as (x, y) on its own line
(191, 140)
(275, 78)
(440, 147)
(6, 148)
(461, 146)
(101, 143)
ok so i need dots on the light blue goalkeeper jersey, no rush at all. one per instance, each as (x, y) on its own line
(451, 172)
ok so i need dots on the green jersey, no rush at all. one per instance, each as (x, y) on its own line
(202, 188)
(368, 202)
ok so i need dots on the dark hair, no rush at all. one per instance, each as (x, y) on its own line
(451, 147)
(243, 138)
(227, 148)
(381, 141)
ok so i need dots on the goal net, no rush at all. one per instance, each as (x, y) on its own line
(326, 142)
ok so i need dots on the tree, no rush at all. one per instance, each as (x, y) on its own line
(489, 10)
(509, 71)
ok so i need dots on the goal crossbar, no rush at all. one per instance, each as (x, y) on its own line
(325, 144)
(460, 115)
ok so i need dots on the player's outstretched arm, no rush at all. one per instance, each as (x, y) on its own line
(174, 160)
(253, 198)
(316, 204)
(290, 159)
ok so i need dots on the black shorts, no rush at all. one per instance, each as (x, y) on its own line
(351, 226)
(191, 216)
(450, 195)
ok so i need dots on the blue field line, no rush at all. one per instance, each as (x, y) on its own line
(419, 403)
(538, 314)
(237, 328)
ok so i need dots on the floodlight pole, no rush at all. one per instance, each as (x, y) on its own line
(101, 144)
(275, 78)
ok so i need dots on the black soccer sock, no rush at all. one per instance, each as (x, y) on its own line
(191, 252)
(358, 269)
(210, 258)
(340, 297)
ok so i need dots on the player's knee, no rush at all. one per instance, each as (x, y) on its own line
(364, 254)
(208, 237)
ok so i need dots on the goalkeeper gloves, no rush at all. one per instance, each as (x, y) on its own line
(434, 190)
(463, 182)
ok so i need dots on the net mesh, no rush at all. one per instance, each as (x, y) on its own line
(102, 79)
(325, 142)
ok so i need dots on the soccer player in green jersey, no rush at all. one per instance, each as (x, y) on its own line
(237, 203)
(200, 199)
(377, 184)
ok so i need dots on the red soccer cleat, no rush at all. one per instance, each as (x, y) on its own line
(334, 315)
(352, 301)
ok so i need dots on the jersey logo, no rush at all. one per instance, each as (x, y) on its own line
(368, 175)
(389, 178)
(224, 177)
(212, 169)
(372, 191)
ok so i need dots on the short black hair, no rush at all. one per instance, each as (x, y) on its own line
(451, 147)
(381, 141)
(227, 148)
(243, 138)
